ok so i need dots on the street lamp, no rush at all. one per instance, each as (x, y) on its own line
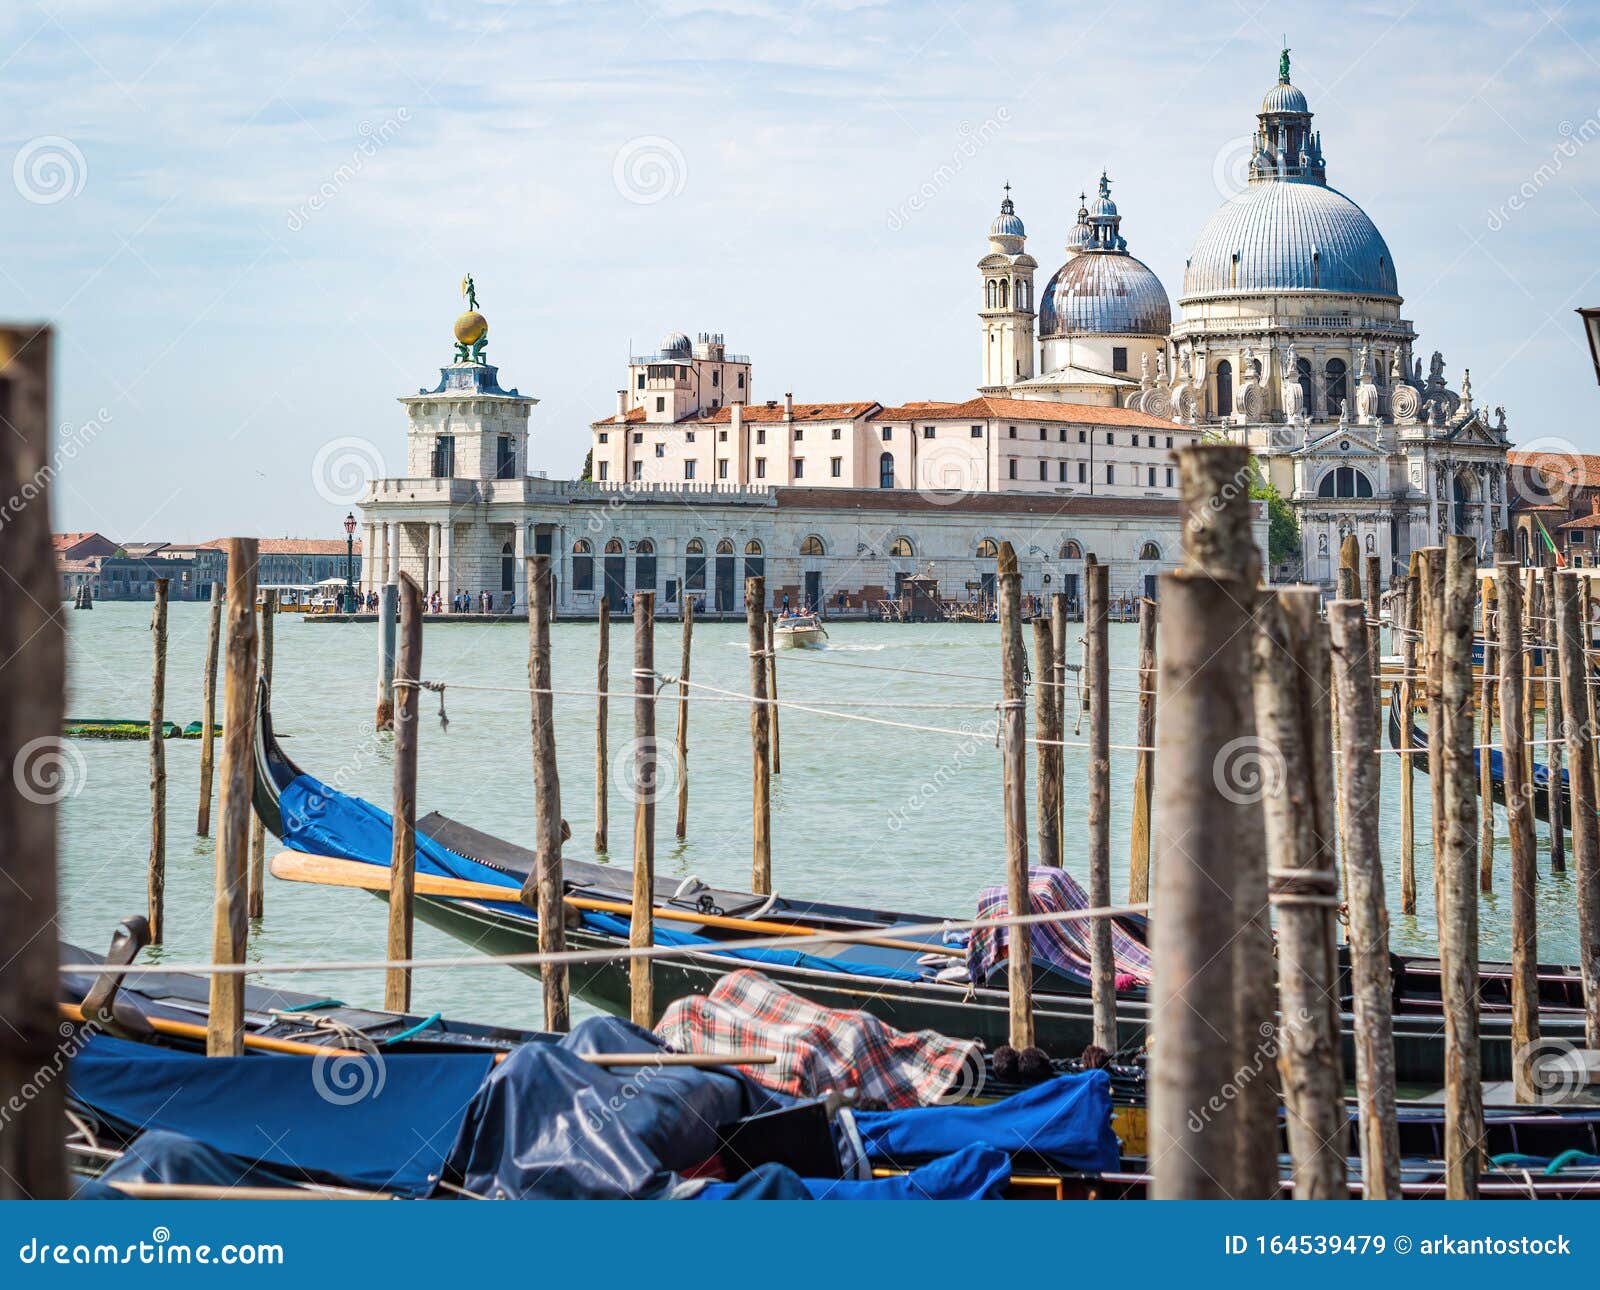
(1591, 325)
(350, 562)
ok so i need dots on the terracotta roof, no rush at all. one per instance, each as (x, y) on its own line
(61, 541)
(1583, 522)
(1580, 468)
(1026, 410)
(287, 546)
(906, 499)
(765, 413)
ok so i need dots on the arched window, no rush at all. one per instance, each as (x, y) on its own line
(1071, 550)
(1149, 551)
(695, 547)
(1224, 389)
(990, 294)
(644, 565)
(1302, 369)
(1005, 292)
(812, 545)
(725, 547)
(1338, 386)
(508, 568)
(988, 548)
(1345, 481)
(582, 565)
(646, 547)
(614, 546)
(886, 470)
(1461, 495)
(752, 547)
(901, 546)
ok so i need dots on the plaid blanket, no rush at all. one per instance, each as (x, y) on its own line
(821, 1050)
(1064, 945)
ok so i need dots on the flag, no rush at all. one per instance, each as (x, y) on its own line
(1550, 542)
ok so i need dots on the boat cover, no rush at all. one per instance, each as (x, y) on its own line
(976, 1172)
(1064, 945)
(162, 1157)
(821, 1050)
(547, 1124)
(1066, 1120)
(384, 1123)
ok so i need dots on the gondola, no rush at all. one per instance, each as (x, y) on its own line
(894, 984)
(1541, 773)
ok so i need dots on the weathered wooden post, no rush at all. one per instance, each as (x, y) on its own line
(542, 888)
(1144, 762)
(1537, 658)
(156, 881)
(1047, 759)
(1553, 706)
(646, 781)
(1519, 821)
(1204, 699)
(1014, 794)
(1374, 587)
(1586, 613)
(1218, 541)
(37, 776)
(1291, 704)
(1458, 909)
(1410, 651)
(403, 840)
(255, 901)
(1432, 628)
(1369, 918)
(208, 711)
(683, 720)
(388, 622)
(230, 925)
(1097, 680)
(755, 600)
(772, 693)
(1585, 827)
(1058, 647)
(1089, 561)
(602, 757)
(1485, 764)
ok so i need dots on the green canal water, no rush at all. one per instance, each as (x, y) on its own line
(861, 812)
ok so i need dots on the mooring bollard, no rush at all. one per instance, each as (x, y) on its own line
(208, 710)
(1519, 822)
(646, 780)
(156, 872)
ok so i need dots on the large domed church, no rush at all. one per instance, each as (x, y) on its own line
(1289, 339)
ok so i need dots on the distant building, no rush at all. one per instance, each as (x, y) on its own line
(82, 546)
(1556, 493)
(130, 571)
(290, 562)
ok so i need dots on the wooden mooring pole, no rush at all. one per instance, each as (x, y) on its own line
(1097, 680)
(683, 720)
(388, 622)
(755, 600)
(38, 774)
(542, 889)
(403, 835)
(1058, 648)
(1585, 827)
(208, 711)
(1554, 691)
(772, 693)
(230, 924)
(1519, 823)
(1047, 758)
(602, 756)
(156, 870)
(1432, 620)
(646, 781)
(1291, 704)
(1409, 685)
(256, 900)
(1014, 794)
(1144, 760)
(1353, 667)
(1486, 705)
(1455, 873)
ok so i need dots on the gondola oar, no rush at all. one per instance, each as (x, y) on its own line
(329, 871)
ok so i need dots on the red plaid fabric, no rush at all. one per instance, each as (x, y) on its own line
(821, 1050)
(1064, 944)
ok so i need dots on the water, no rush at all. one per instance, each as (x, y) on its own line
(862, 813)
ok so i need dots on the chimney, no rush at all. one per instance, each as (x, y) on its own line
(788, 407)
(622, 403)
(737, 411)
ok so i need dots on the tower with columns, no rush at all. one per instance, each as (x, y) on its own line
(1006, 316)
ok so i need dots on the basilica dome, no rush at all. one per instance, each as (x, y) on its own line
(1101, 289)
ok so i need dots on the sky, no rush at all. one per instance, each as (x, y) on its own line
(248, 222)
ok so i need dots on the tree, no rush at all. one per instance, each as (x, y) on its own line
(588, 465)
(1283, 531)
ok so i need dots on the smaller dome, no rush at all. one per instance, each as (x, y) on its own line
(1284, 97)
(471, 327)
(1079, 236)
(676, 345)
(1007, 224)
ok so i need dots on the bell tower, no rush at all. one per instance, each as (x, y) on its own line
(1005, 316)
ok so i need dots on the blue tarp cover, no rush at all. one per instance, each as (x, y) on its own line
(162, 1157)
(976, 1172)
(1067, 1120)
(383, 1123)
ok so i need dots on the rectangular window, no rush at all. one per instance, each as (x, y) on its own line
(661, 450)
(1083, 472)
(1043, 434)
(583, 573)
(716, 376)
(1011, 468)
(1044, 472)
(799, 467)
(761, 467)
(604, 437)
(977, 432)
(1169, 476)
(444, 456)
(694, 572)
(605, 470)
(722, 468)
(1011, 432)
(741, 380)
(722, 436)
(836, 467)
(1119, 358)
(1111, 473)
(661, 403)
(1083, 436)
(1062, 436)
(1152, 477)
(888, 433)
(640, 383)
(688, 470)
(638, 470)
(505, 458)
(688, 436)
(1169, 441)
(638, 438)
(927, 432)
(761, 436)
(799, 434)
(1061, 472)
(1112, 439)
(835, 433)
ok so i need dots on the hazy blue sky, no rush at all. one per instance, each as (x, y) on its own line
(249, 221)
